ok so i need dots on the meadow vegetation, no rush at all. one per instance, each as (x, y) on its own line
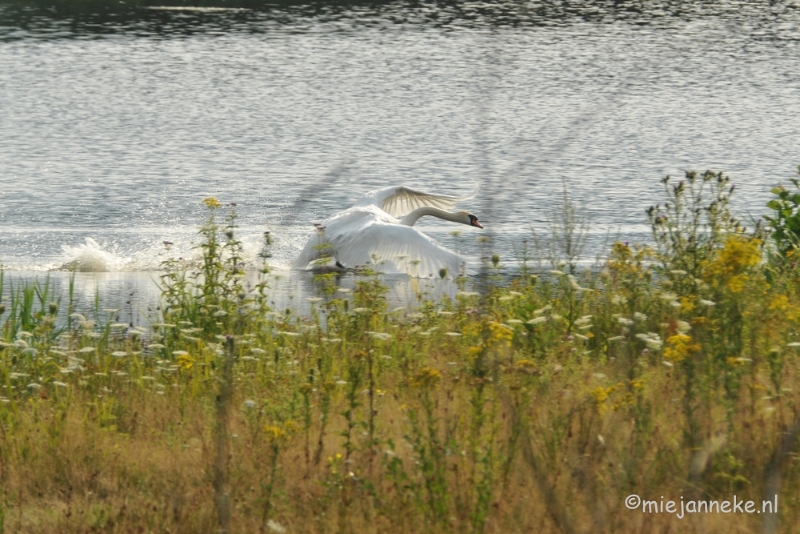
(535, 405)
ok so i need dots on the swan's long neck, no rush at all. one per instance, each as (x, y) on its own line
(415, 215)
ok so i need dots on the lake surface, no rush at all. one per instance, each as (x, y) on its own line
(116, 122)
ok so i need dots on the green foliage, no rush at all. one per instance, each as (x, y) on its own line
(784, 221)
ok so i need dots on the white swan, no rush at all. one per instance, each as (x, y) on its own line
(378, 230)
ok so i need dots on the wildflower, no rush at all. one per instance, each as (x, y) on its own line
(289, 334)
(638, 316)
(344, 290)
(583, 320)
(678, 347)
(380, 335)
(618, 299)
(573, 282)
(427, 377)
(501, 333)
(600, 395)
(616, 338)
(360, 310)
(58, 384)
(185, 361)
(86, 350)
(729, 268)
(249, 403)
(794, 344)
(624, 321)
(542, 310)
(707, 303)
(506, 298)
(34, 386)
(314, 299)
(514, 321)
(537, 320)
(119, 326)
(211, 203)
(667, 363)
(467, 294)
(446, 313)
(557, 273)
(276, 527)
(581, 337)
(682, 327)
(274, 432)
(119, 354)
(156, 346)
(453, 334)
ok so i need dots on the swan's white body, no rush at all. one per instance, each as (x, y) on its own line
(377, 231)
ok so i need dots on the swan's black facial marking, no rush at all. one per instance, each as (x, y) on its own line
(473, 220)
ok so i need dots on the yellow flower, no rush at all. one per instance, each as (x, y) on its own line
(600, 395)
(678, 347)
(729, 267)
(274, 432)
(185, 362)
(501, 333)
(427, 377)
(211, 203)
(779, 303)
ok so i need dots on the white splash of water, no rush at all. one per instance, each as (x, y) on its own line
(92, 257)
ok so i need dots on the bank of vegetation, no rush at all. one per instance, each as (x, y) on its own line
(533, 405)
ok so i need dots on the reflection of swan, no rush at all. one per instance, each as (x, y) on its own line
(377, 230)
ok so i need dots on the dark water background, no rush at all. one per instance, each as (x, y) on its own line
(117, 119)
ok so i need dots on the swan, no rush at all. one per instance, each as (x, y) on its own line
(378, 229)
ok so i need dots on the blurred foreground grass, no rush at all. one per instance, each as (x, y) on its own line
(537, 405)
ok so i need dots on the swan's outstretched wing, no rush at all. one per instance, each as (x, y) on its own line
(396, 248)
(400, 201)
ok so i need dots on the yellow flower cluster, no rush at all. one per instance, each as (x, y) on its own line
(427, 377)
(600, 395)
(678, 347)
(185, 362)
(211, 203)
(501, 334)
(780, 303)
(730, 265)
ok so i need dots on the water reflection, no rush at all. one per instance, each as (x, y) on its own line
(134, 297)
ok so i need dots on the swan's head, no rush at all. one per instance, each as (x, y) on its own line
(469, 219)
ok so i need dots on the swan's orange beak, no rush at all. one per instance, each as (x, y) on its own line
(476, 223)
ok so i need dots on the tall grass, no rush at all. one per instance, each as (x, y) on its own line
(537, 406)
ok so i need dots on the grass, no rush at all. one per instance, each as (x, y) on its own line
(538, 405)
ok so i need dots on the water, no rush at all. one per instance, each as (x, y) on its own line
(116, 123)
